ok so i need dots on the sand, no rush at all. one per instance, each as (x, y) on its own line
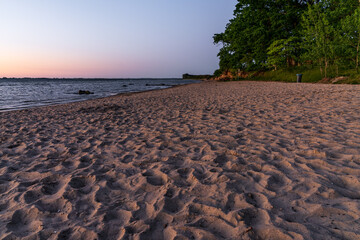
(237, 160)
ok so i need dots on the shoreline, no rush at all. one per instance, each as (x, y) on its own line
(174, 86)
(83, 100)
(209, 160)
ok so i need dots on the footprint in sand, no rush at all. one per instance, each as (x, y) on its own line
(84, 209)
(32, 196)
(81, 182)
(249, 216)
(70, 164)
(103, 196)
(219, 228)
(55, 206)
(173, 205)
(51, 184)
(121, 217)
(155, 178)
(77, 233)
(221, 160)
(4, 206)
(3, 186)
(171, 192)
(85, 161)
(276, 182)
(128, 159)
(112, 231)
(25, 222)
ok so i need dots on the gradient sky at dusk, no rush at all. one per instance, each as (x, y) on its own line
(111, 38)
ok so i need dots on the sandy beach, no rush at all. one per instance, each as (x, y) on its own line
(230, 160)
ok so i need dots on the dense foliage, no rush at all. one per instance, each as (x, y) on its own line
(281, 34)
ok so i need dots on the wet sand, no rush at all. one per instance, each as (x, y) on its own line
(237, 160)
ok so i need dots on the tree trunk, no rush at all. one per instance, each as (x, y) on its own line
(325, 68)
(321, 69)
(358, 46)
(357, 54)
(337, 70)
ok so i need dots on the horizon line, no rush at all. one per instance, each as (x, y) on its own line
(95, 78)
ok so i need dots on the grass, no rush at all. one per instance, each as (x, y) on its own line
(353, 77)
(290, 75)
(310, 75)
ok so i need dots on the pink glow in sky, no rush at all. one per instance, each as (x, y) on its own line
(113, 38)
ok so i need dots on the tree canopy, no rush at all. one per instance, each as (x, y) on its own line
(273, 34)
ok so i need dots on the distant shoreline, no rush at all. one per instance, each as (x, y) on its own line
(187, 76)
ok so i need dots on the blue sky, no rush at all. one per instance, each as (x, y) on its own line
(93, 38)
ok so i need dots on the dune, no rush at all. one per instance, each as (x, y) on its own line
(230, 160)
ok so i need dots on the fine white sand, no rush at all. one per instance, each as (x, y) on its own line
(237, 160)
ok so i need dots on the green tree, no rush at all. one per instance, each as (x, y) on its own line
(272, 34)
(323, 35)
(350, 36)
(318, 36)
(255, 26)
(283, 53)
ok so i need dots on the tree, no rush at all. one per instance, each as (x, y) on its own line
(255, 26)
(272, 34)
(324, 39)
(350, 36)
(283, 53)
(318, 36)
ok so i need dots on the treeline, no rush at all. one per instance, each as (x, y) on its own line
(195, 77)
(277, 34)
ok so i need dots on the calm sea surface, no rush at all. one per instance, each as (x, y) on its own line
(26, 93)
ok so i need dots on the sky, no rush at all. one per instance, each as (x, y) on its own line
(110, 38)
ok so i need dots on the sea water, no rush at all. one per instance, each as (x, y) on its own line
(26, 93)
